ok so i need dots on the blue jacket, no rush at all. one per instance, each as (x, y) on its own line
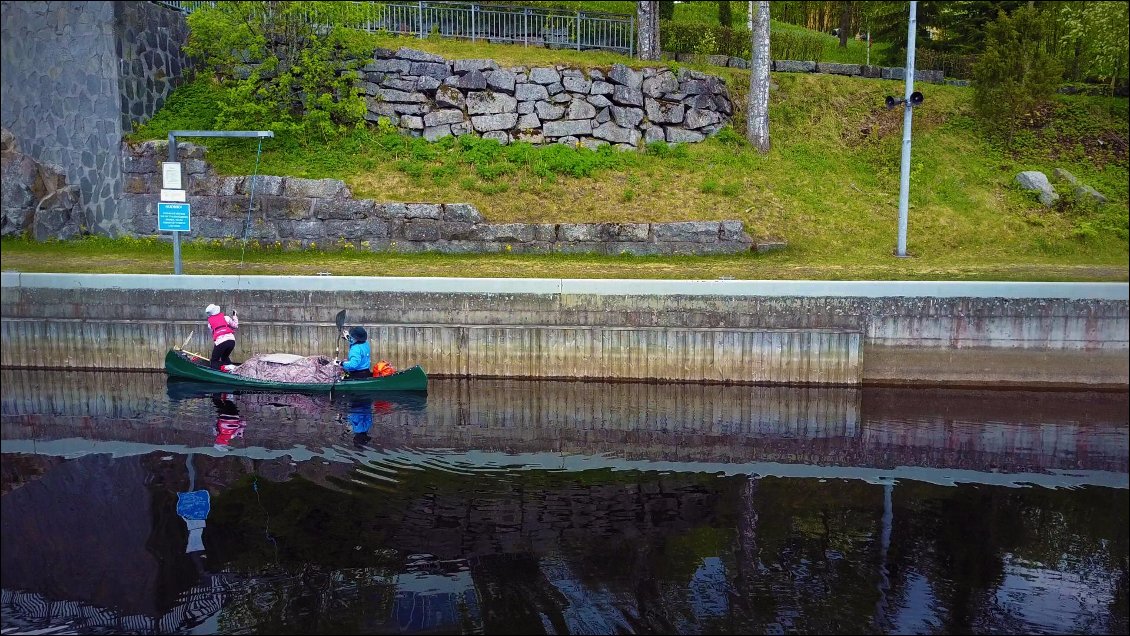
(358, 357)
(361, 417)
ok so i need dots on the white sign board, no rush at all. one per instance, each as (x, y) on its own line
(175, 196)
(170, 175)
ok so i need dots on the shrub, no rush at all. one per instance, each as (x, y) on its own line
(1015, 74)
(685, 37)
(280, 71)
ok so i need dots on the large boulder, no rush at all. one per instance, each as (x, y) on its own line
(34, 197)
(1036, 181)
(58, 215)
(1087, 192)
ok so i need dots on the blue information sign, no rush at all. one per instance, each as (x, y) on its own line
(173, 217)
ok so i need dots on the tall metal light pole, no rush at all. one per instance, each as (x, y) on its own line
(908, 115)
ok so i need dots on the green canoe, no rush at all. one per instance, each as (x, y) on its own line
(181, 365)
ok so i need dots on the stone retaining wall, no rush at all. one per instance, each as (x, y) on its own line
(77, 76)
(428, 95)
(295, 213)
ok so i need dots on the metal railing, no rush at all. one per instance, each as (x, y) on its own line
(552, 28)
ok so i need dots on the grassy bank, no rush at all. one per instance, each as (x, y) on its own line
(829, 187)
(99, 255)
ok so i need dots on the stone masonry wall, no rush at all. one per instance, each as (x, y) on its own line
(296, 213)
(149, 42)
(60, 94)
(428, 95)
(76, 76)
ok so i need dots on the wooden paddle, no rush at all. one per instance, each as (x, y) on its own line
(185, 343)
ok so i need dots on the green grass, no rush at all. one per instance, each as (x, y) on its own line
(854, 53)
(154, 256)
(829, 186)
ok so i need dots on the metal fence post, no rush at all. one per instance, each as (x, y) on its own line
(473, 21)
(578, 30)
(420, 10)
(631, 36)
(526, 27)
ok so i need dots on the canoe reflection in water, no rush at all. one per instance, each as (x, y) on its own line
(355, 411)
(229, 424)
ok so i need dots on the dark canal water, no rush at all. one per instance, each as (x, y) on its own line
(136, 505)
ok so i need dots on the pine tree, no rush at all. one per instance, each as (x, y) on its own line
(725, 16)
(1015, 74)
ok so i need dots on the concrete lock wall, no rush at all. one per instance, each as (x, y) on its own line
(801, 332)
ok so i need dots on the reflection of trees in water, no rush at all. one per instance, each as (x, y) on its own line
(312, 599)
(643, 551)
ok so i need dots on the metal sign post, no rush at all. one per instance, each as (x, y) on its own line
(172, 183)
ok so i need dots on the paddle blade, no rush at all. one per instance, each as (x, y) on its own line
(340, 320)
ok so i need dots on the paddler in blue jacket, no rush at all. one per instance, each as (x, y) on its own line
(357, 365)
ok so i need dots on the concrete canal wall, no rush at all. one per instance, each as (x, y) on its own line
(802, 332)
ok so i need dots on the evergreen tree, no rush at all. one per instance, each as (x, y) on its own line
(962, 23)
(888, 22)
(725, 16)
(1015, 74)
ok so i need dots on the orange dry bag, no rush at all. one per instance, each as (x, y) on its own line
(382, 368)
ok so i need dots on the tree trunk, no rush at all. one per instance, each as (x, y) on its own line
(757, 111)
(845, 23)
(749, 16)
(647, 15)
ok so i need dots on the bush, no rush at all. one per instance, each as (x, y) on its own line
(685, 37)
(725, 15)
(1015, 74)
(281, 72)
(952, 64)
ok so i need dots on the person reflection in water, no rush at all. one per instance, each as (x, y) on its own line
(360, 421)
(229, 424)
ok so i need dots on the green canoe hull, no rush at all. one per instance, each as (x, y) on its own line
(179, 365)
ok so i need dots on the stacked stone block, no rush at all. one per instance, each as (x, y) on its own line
(425, 94)
(295, 213)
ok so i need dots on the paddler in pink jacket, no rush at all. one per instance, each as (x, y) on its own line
(223, 337)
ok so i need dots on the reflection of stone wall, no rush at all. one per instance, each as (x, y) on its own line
(296, 212)
(977, 430)
(76, 76)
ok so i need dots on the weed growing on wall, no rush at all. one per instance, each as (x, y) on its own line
(281, 72)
